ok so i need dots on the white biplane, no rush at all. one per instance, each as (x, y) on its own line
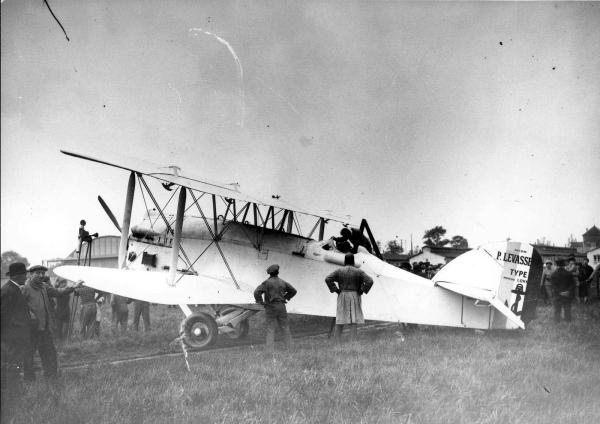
(220, 254)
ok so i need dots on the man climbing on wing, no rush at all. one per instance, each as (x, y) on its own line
(350, 239)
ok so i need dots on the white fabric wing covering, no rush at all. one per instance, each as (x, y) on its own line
(152, 286)
(475, 268)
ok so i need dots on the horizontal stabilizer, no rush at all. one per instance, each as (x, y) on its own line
(472, 292)
(484, 295)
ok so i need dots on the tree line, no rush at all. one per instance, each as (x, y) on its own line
(434, 237)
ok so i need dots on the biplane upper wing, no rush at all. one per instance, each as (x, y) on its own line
(152, 286)
(204, 186)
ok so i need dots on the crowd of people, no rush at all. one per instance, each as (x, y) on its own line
(35, 311)
(566, 280)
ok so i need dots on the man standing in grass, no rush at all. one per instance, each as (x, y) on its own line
(546, 285)
(563, 290)
(120, 313)
(63, 311)
(87, 313)
(141, 308)
(276, 293)
(352, 283)
(585, 270)
(15, 337)
(37, 295)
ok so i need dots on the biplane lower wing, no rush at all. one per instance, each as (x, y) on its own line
(152, 286)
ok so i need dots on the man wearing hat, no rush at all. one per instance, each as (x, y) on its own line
(563, 290)
(14, 332)
(276, 293)
(352, 283)
(37, 295)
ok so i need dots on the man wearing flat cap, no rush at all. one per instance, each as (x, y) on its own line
(37, 295)
(14, 331)
(276, 293)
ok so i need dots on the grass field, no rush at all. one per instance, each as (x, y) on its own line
(547, 374)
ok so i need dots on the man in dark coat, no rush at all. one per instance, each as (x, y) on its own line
(63, 311)
(141, 308)
(276, 293)
(120, 313)
(87, 314)
(352, 283)
(585, 270)
(37, 294)
(563, 290)
(14, 334)
(545, 283)
(595, 278)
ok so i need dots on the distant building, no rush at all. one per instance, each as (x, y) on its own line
(552, 253)
(437, 255)
(578, 246)
(594, 257)
(105, 254)
(591, 238)
(577, 249)
(395, 258)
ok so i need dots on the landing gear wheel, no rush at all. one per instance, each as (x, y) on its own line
(241, 330)
(199, 330)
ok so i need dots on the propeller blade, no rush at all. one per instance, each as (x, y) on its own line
(109, 213)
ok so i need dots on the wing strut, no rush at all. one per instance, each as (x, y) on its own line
(177, 237)
(126, 220)
(364, 225)
(169, 228)
(214, 237)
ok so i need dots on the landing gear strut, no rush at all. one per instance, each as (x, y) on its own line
(233, 322)
(201, 329)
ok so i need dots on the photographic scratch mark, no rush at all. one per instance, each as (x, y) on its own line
(237, 60)
(290, 104)
(175, 90)
(56, 19)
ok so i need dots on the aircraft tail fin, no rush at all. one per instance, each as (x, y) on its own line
(505, 274)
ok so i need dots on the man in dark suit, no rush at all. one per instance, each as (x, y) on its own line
(14, 333)
(37, 295)
(563, 290)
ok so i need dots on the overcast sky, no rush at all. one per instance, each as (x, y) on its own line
(480, 117)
